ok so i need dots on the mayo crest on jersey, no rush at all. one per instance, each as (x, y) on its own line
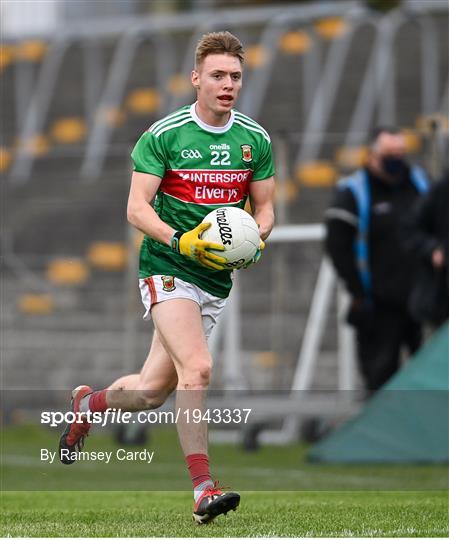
(202, 167)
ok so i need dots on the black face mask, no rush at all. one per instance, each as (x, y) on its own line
(394, 167)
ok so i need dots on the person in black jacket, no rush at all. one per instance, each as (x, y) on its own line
(363, 242)
(426, 234)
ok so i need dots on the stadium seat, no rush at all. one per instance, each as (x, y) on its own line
(351, 157)
(37, 146)
(412, 140)
(137, 239)
(330, 28)
(6, 56)
(287, 191)
(255, 56)
(5, 159)
(31, 51)
(295, 42)
(267, 359)
(68, 130)
(179, 85)
(316, 174)
(112, 116)
(108, 256)
(67, 272)
(424, 123)
(143, 101)
(35, 304)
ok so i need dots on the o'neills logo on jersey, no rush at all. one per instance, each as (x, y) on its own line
(207, 186)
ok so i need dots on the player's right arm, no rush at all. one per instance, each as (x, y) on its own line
(141, 214)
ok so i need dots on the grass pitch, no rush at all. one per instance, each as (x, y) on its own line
(102, 514)
(324, 500)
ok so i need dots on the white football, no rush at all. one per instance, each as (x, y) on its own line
(237, 231)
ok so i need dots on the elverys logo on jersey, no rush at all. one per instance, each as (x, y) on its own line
(187, 153)
(247, 152)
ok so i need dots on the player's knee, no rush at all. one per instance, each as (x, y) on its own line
(198, 376)
(204, 374)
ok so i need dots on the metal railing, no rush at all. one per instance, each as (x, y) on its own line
(378, 86)
(326, 284)
(319, 100)
(296, 402)
(160, 30)
(254, 92)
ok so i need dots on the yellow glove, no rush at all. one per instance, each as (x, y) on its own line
(257, 255)
(190, 245)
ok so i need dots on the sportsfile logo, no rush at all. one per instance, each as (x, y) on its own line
(117, 416)
(187, 153)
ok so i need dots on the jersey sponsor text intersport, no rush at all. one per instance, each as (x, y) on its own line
(215, 187)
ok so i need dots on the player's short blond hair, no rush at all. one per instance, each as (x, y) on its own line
(218, 43)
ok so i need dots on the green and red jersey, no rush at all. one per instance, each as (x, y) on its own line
(202, 168)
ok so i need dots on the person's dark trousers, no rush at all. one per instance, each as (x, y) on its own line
(379, 344)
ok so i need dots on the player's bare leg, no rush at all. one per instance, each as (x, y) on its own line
(148, 390)
(127, 382)
(179, 325)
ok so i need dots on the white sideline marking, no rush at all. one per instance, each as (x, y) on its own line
(287, 474)
(402, 532)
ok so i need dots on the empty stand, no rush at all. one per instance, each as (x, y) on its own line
(320, 91)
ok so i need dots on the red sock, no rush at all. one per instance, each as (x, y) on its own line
(97, 401)
(198, 465)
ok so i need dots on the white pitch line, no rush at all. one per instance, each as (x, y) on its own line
(256, 472)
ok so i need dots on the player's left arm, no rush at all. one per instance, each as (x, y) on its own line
(261, 196)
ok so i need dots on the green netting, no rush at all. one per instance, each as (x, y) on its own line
(406, 421)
